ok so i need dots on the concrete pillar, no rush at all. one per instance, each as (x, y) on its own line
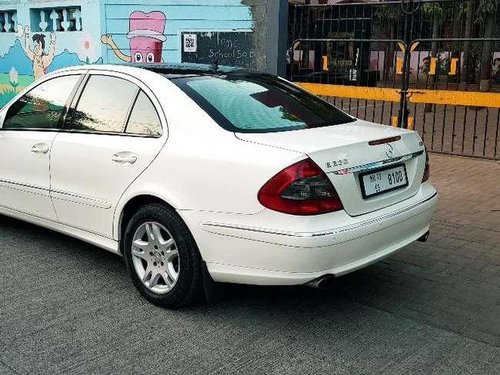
(270, 34)
(277, 36)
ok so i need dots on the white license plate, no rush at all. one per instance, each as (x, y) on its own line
(384, 180)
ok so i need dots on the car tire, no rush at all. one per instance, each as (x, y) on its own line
(153, 274)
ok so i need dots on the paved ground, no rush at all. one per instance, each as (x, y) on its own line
(434, 308)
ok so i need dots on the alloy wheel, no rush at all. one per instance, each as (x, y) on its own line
(155, 257)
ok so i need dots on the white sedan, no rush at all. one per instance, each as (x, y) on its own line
(196, 176)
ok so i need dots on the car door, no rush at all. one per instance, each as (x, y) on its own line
(112, 133)
(28, 128)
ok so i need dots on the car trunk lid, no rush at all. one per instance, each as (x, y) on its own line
(345, 154)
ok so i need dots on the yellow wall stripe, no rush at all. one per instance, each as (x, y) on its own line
(355, 92)
(433, 65)
(325, 63)
(399, 65)
(411, 122)
(465, 98)
(394, 121)
(453, 66)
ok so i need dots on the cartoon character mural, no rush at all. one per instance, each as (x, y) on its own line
(41, 60)
(146, 35)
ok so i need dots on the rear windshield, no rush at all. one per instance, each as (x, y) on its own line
(259, 103)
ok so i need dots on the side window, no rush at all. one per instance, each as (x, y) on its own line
(103, 105)
(144, 120)
(42, 107)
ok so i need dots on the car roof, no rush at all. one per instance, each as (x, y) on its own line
(170, 70)
(190, 68)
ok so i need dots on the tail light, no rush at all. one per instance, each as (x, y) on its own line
(301, 189)
(427, 170)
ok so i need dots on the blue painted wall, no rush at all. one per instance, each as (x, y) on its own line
(89, 23)
(190, 15)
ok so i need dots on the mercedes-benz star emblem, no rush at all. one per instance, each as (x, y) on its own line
(389, 150)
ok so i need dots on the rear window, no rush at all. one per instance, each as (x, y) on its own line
(259, 103)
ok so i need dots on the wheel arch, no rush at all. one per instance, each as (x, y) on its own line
(130, 207)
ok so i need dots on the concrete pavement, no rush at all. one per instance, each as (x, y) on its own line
(433, 308)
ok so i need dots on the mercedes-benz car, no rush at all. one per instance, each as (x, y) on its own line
(197, 175)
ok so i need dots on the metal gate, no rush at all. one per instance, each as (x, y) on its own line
(434, 85)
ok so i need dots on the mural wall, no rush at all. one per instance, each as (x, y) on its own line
(40, 36)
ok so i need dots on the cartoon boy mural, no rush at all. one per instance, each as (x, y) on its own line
(146, 35)
(41, 60)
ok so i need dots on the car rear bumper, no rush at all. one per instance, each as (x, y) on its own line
(252, 254)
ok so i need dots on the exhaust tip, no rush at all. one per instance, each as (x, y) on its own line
(322, 282)
(424, 237)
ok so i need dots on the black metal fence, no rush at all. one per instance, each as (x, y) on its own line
(429, 65)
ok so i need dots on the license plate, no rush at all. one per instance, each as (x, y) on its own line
(382, 181)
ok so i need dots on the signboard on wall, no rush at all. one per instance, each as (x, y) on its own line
(189, 43)
(227, 48)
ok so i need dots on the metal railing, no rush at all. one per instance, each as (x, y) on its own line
(441, 83)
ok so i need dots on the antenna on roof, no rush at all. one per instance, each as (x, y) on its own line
(215, 65)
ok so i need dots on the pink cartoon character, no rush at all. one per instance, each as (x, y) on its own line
(146, 35)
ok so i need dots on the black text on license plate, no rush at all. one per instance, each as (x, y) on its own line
(382, 181)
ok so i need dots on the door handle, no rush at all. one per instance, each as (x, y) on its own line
(40, 148)
(124, 157)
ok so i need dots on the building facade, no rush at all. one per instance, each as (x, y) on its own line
(40, 36)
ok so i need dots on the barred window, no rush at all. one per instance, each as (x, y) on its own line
(8, 21)
(61, 19)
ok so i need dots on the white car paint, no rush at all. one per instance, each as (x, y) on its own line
(25, 180)
(350, 142)
(211, 177)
